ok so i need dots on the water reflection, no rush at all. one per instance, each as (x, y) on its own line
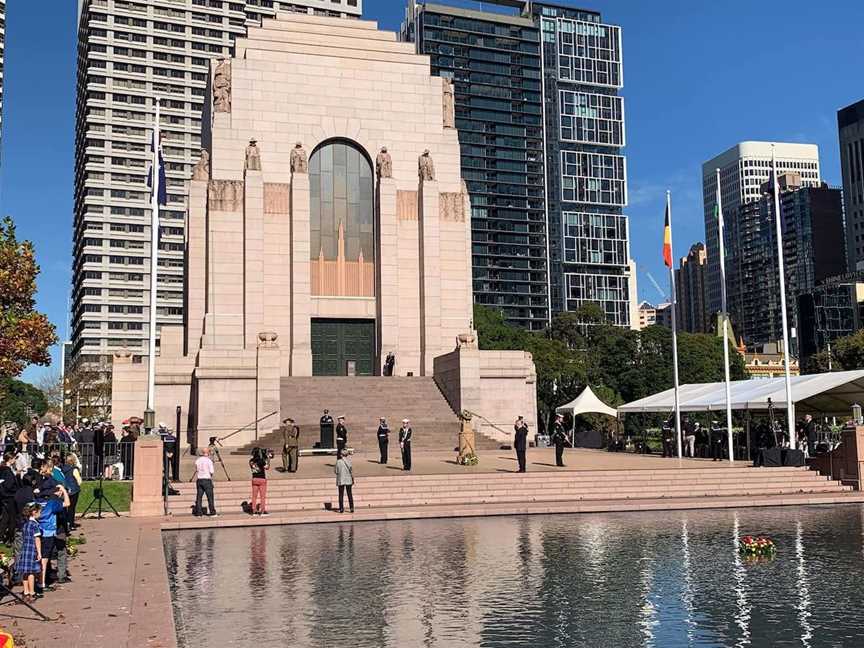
(627, 580)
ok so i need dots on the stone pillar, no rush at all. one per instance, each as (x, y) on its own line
(268, 382)
(388, 270)
(253, 258)
(147, 484)
(196, 259)
(301, 293)
(430, 265)
(408, 275)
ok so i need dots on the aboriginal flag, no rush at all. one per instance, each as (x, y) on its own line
(667, 240)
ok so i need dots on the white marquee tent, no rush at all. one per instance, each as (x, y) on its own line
(586, 403)
(825, 394)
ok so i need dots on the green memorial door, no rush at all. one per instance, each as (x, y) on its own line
(335, 342)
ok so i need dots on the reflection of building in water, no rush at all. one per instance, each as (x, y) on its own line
(331, 228)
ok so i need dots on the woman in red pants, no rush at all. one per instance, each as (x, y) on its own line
(259, 464)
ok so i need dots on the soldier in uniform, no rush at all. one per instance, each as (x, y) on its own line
(558, 438)
(405, 436)
(383, 438)
(290, 445)
(326, 430)
(520, 441)
(341, 434)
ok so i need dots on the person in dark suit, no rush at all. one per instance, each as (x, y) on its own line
(716, 443)
(326, 430)
(810, 433)
(406, 434)
(341, 434)
(383, 438)
(668, 432)
(520, 441)
(559, 438)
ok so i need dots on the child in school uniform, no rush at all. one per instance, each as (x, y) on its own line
(29, 559)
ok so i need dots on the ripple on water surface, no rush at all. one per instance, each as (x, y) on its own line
(620, 580)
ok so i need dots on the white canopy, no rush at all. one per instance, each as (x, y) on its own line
(586, 403)
(825, 394)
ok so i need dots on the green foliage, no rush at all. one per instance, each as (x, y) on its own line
(119, 493)
(620, 365)
(15, 397)
(847, 353)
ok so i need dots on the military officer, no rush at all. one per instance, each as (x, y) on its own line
(290, 445)
(383, 438)
(558, 438)
(405, 436)
(341, 434)
(520, 441)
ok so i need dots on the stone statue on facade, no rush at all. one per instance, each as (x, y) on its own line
(222, 86)
(253, 156)
(384, 164)
(267, 339)
(449, 104)
(426, 168)
(202, 169)
(299, 159)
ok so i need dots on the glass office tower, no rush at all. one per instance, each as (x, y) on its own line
(541, 126)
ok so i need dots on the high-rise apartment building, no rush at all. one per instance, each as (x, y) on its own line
(131, 52)
(813, 236)
(850, 125)
(541, 128)
(693, 314)
(743, 170)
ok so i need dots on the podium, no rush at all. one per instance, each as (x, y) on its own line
(327, 440)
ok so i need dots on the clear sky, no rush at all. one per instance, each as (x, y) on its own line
(699, 77)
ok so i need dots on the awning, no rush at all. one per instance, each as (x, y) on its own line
(827, 394)
(586, 403)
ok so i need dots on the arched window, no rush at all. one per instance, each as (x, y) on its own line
(341, 221)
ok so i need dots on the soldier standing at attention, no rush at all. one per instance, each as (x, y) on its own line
(383, 438)
(558, 438)
(405, 435)
(290, 445)
(341, 434)
(520, 441)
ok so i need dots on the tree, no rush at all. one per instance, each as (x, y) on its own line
(89, 391)
(19, 401)
(51, 386)
(25, 335)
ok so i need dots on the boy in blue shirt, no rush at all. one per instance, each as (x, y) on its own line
(52, 507)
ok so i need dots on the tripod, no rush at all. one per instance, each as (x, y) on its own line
(5, 591)
(214, 452)
(98, 498)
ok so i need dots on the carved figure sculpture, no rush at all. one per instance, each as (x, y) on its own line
(426, 168)
(222, 86)
(449, 104)
(253, 156)
(202, 169)
(384, 164)
(299, 159)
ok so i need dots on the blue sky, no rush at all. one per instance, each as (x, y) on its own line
(699, 77)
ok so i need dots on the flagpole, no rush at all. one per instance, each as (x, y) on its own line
(150, 412)
(725, 316)
(674, 326)
(790, 411)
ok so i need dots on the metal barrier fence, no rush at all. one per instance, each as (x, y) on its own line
(116, 462)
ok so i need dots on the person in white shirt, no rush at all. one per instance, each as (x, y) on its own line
(204, 470)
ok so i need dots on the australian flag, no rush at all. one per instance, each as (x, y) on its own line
(163, 192)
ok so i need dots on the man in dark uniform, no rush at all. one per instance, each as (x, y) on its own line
(383, 438)
(341, 434)
(405, 436)
(668, 435)
(558, 438)
(716, 436)
(520, 441)
(326, 430)
(290, 445)
(810, 433)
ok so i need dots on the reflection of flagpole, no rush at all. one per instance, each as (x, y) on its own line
(725, 315)
(742, 615)
(669, 256)
(790, 411)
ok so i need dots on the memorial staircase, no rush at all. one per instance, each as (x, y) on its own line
(362, 400)
(472, 493)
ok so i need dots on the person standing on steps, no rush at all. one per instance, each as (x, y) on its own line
(204, 470)
(558, 438)
(290, 445)
(383, 438)
(344, 480)
(520, 441)
(405, 436)
(326, 430)
(341, 434)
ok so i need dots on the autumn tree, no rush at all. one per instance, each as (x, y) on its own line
(25, 335)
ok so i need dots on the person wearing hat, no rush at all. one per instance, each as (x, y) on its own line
(383, 438)
(290, 445)
(341, 434)
(558, 438)
(520, 441)
(405, 436)
(326, 430)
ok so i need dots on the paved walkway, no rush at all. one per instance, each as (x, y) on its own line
(435, 463)
(119, 596)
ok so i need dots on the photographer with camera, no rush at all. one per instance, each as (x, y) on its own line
(259, 464)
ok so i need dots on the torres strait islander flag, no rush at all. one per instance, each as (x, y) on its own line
(667, 241)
